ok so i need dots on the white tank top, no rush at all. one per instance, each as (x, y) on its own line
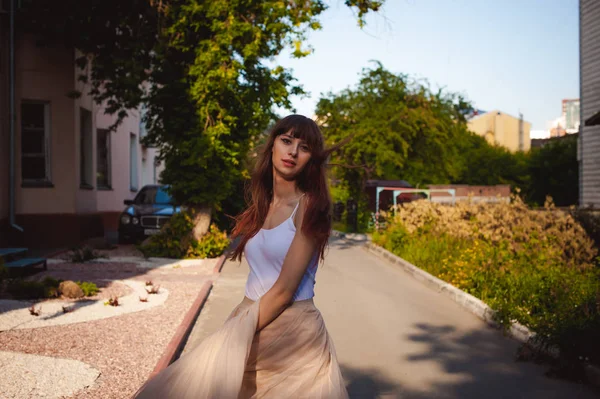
(265, 253)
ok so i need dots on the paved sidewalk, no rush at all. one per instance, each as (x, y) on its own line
(226, 294)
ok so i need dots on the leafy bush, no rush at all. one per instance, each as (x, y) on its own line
(536, 267)
(24, 289)
(211, 245)
(176, 240)
(590, 221)
(88, 288)
(84, 254)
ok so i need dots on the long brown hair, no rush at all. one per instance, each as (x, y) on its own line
(312, 181)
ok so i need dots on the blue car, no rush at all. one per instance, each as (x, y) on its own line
(146, 214)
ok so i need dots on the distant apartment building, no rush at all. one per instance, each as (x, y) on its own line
(571, 115)
(569, 120)
(502, 129)
(71, 174)
(589, 137)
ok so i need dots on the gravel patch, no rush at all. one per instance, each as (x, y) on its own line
(28, 376)
(126, 348)
(16, 315)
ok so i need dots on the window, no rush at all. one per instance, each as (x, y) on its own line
(35, 143)
(153, 196)
(103, 159)
(155, 171)
(143, 112)
(133, 174)
(85, 148)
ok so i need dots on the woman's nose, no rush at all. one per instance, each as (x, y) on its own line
(293, 149)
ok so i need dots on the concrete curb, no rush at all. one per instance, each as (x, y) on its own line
(174, 347)
(474, 305)
(219, 266)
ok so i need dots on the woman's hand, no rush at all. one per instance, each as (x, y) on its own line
(297, 259)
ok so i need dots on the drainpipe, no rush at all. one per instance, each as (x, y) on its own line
(12, 115)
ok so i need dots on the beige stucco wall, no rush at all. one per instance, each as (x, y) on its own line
(46, 74)
(49, 74)
(85, 198)
(501, 129)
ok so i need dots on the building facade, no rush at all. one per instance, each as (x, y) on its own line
(502, 129)
(589, 137)
(571, 114)
(71, 174)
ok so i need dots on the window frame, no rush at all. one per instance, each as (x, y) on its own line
(83, 172)
(46, 181)
(133, 163)
(108, 136)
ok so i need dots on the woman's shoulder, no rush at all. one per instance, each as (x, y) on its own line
(300, 210)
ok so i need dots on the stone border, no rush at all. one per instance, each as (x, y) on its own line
(185, 328)
(474, 305)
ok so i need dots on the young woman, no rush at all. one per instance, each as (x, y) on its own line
(274, 344)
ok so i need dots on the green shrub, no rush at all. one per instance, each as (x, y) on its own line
(176, 240)
(534, 267)
(211, 245)
(84, 254)
(88, 288)
(23, 289)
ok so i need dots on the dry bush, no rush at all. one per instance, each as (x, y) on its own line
(512, 223)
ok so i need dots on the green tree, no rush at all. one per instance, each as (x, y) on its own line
(486, 164)
(399, 129)
(554, 172)
(200, 66)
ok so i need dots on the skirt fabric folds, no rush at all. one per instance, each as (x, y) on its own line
(293, 357)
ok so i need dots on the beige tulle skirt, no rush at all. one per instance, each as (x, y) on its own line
(293, 357)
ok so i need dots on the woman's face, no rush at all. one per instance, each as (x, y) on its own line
(290, 155)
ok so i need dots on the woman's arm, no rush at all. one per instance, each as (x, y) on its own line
(297, 259)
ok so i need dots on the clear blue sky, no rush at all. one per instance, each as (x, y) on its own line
(509, 55)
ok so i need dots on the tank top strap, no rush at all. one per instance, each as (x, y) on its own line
(296, 208)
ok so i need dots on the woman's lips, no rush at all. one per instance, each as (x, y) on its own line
(288, 163)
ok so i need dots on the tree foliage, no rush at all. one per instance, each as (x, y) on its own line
(203, 68)
(554, 171)
(400, 129)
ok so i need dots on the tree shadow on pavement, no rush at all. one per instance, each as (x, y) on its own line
(342, 243)
(368, 384)
(484, 366)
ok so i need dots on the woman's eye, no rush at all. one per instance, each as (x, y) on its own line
(305, 148)
(286, 141)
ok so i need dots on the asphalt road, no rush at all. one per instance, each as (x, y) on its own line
(397, 338)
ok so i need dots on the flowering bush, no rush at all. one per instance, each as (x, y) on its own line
(537, 267)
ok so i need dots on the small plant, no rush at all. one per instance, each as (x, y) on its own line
(112, 301)
(177, 266)
(153, 289)
(88, 288)
(35, 312)
(144, 299)
(84, 254)
(67, 309)
(149, 282)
